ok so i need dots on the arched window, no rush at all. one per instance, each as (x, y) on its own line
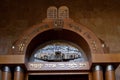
(58, 51)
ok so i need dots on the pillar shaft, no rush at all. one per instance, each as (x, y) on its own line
(110, 73)
(18, 73)
(97, 73)
(6, 73)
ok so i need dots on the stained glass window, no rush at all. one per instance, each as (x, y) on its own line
(58, 51)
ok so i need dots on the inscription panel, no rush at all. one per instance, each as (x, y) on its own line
(58, 66)
(75, 27)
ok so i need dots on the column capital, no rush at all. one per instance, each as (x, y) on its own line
(18, 68)
(97, 68)
(109, 67)
(6, 69)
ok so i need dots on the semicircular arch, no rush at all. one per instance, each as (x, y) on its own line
(70, 27)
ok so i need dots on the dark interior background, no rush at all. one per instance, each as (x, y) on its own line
(58, 77)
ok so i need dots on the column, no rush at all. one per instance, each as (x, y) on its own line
(6, 73)
(97, 73)
(110, 73)
(18, 73)
(0, 75)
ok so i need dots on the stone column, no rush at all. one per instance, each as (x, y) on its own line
(97, 73)
(18, 73)
(6, 73)
(110, 73)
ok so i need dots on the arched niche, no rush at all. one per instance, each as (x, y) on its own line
(47, 31)
(58, 29)
(57, 35)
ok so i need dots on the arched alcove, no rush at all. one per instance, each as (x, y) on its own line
(58, 35)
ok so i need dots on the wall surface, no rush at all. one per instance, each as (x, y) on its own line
(100, 16)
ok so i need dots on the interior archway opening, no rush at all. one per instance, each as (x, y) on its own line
(64, 36)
